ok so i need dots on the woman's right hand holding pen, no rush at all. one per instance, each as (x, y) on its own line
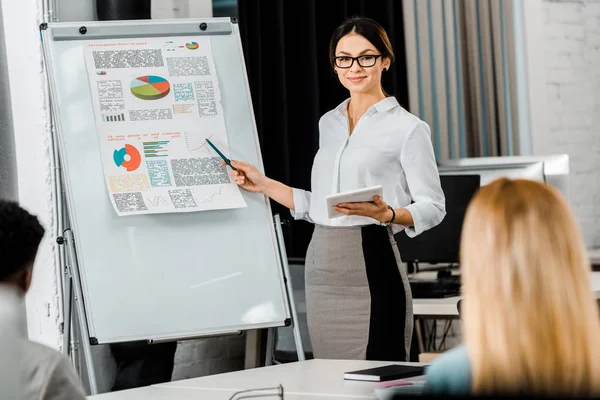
(251, 179)
(248, 177)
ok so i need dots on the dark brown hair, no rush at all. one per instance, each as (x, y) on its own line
(20, 237)
(367, 28)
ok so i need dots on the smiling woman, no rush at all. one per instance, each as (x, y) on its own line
(354, 70)
(358, 299)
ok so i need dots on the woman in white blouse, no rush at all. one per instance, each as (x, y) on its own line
(359, 304)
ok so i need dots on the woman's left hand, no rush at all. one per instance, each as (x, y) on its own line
(377, 209)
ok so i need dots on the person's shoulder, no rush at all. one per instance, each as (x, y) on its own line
(450, 373)
(48, 373)
(452, 357)
(39, 353)
(335, 113)
(407, 119)
(329, 115)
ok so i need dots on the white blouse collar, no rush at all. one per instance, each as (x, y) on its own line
(384, 105)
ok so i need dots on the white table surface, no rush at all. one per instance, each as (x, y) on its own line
(177, 393)
(149, 393)
(310, 379)
(447, 306)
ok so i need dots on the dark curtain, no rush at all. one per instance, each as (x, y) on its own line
(109, 10)
(292, 84)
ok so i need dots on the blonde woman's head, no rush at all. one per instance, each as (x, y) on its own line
(530, 320)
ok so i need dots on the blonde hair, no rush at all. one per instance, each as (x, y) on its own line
(531, 323)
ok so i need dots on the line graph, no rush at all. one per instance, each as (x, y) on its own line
(157, 201)
(196, 141)
(211, 198)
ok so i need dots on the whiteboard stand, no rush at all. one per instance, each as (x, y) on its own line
(287, 276)
(89, 301)
(67, 304)
(269, 356)
(77, 297)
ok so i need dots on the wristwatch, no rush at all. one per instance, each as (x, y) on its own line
(393, 217)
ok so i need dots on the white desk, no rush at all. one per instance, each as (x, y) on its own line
(304, 380)
(149, 393)
(176, 393)
(436, 307)
(447, 306)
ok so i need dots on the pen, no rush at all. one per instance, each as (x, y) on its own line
(222, 155)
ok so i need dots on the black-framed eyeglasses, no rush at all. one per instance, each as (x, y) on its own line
(365, 61)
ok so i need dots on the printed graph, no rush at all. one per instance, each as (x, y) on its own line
(127, 157)
(150, 87)
(211, 198)
(114, 118)
(158, 201)
(155, 149)
(170, 45)
(192, 45)
(196, 141)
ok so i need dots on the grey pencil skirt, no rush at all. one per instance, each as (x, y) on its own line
(358, 299)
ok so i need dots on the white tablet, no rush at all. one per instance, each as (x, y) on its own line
(353, 196)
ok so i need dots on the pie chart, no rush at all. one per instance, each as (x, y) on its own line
(192, 45)
(127, 157)
(150, 87)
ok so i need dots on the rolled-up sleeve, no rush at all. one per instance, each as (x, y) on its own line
(301, 205)
(422, 176)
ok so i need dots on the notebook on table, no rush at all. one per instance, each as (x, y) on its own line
(385, 373)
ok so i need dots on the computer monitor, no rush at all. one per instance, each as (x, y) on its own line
(491, 172)
(555, 169)
(441, 244)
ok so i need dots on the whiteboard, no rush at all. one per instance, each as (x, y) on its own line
(163, 276)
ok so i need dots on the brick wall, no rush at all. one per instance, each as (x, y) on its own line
(571, 40)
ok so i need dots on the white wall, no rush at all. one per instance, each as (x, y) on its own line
(32, 145)
(25, 102)
(75, 10)
(566, 56)
(181, 9)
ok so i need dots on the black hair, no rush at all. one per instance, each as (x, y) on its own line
(369, 29)
(20, 237)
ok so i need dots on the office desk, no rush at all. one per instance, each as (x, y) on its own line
(434, 307)
(160, 393)
(303, 380)
(446, 307)
(310, 378)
